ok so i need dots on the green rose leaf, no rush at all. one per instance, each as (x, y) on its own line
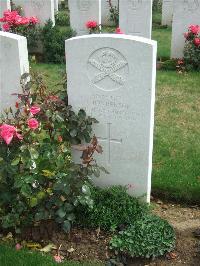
(33, 202)
(14, 162)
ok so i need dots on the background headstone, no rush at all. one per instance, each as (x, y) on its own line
(106, 78)
(4, 5)
(56, 5)
(167, 12)
(105, 12)
(42, 9)
(135, 17)
(80, 12)
(186, 12)
(13, 63)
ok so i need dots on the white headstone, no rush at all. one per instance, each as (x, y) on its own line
(13, 63)
(112, 77)
(186, 12)
(135, 17)
(56, 5)
(42, 9)
(105, 11)
(82, 11)
(4, 5)
(167, 12)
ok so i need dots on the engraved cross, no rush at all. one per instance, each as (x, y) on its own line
(109, 141)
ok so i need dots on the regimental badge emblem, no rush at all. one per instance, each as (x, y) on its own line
(107, 69)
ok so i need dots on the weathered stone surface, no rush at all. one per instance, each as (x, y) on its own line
(135, 17)
(82, 11)
(112, 77)
(42, 9)
(167, 12)
(56, 5)
(4, 5)
(186, 12)
(13, 63)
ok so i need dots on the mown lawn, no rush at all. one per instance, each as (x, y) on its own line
(163, 37)
(176, 169)
(11, 257)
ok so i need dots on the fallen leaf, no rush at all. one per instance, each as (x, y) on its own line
(70, 250)
(34, 246)
(48, 248)
(171, 256)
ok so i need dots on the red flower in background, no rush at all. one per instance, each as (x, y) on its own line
(33, 20)
(118, 31)
(195, 29)
(91, 24)
(6, 27)
(186, 35)
(197, 42)
(14, 20)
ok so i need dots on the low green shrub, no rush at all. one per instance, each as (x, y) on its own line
(62, 19)
(54, 42)
(170, 64)
(113, 208)
(148, 237)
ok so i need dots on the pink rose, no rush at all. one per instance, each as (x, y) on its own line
(57, 258)
(6, 27)
(18, 246)
(33, 20)
(195, 29)
(35, 110)
(91, 24)
(197, 42)
(60, 139)
(33, 123)
(7, 133)
(186, 35)
(118, 31)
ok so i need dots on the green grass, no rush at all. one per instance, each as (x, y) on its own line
(163, 37)
(52, 74)
(176, 171)
(11, 257)
(157, 17)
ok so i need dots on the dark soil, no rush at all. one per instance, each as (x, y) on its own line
(93, 245)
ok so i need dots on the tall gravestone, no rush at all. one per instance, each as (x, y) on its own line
(82, 11)
(56, 5)
(42, 9)
(167, 12)
(13, 63)
(4, 5)
(105, 11)
(135, 17)
(106, 78)
(186, 12)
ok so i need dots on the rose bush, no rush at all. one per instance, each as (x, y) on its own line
(92, 26)
(38, 179)
(192, 48)
(13, 22)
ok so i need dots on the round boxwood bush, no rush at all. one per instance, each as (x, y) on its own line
(148, 237)
(113, 208)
